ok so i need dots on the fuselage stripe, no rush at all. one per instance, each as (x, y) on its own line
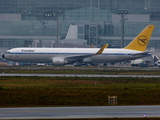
(75, 53)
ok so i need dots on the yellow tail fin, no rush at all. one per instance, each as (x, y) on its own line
(140, 42)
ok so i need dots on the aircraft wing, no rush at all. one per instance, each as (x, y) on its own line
(81, 57)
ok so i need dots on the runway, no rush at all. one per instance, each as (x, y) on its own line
(80, 112)
(79, 75)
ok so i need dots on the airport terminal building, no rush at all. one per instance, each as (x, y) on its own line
(75, 23)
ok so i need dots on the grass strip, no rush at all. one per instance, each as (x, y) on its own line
(59, 70)
(77, 91)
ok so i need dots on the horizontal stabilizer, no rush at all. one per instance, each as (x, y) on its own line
(143, 53)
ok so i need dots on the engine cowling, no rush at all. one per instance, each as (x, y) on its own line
(59, 61)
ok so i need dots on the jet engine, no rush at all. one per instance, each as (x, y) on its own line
(59, 61)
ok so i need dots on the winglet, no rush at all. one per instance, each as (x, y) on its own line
(101, 49)
(141, 41)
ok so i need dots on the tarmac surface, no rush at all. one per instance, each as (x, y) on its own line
(79, 75)
(80, 112)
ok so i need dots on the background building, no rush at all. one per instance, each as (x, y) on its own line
(38, 23)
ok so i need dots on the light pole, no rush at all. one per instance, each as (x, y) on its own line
(122, 13)
(57, 16)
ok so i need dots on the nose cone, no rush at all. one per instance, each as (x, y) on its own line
(3, 56)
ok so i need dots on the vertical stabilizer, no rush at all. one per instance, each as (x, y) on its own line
(140, 42)
(72, 32)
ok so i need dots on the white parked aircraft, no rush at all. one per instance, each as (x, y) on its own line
(60, 56)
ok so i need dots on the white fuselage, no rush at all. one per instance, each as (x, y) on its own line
(109, 55)
(60, 56)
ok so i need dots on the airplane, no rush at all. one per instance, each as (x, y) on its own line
(61, 56)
